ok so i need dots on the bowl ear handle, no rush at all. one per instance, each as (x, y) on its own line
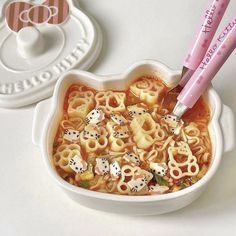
(40, 116)
(227, 123)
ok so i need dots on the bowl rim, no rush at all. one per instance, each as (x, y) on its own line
(127, 198)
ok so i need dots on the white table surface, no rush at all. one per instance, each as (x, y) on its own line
(31, 204)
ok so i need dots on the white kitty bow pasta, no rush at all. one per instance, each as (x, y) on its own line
(78, 164)
(118, 119)
(157, 189)
(71, 135)
(138, 183)
(131, 159)
(115, 170)
(159, 168)
(95, 116)
(102, 166)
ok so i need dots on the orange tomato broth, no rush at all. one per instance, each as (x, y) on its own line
(168, 100)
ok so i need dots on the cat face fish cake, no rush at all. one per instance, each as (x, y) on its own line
(132, 159)
(175, 125)
(159, 168)
(95, 116)
(71, 135)
(115, 170)
(91, 131)
(120, 131)
(118, 119)
(77, 164)
(157, 189)
(171, 120)
(102, 166)
(137, 110)
(137, 183)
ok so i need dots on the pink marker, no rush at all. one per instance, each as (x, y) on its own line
(203, 37)
(208, 68)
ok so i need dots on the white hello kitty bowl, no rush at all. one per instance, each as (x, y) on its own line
(48, 114)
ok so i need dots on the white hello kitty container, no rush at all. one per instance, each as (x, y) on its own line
(49, 113)
(39, 41)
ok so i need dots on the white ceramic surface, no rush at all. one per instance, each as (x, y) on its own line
(133, 30)
(30, 68)
(49, 113)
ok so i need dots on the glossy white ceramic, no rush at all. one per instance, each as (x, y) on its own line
(48, 114)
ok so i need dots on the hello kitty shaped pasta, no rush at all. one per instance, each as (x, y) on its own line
(78, 164)
(190, 161)
(102, 166)
(71, 135)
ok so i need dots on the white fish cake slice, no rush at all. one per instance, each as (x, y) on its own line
(132, 159)
(91, 131)
(71, 135)
(159, 168)
(102, 166)
(157, 189)
(137, 110)
(95, 116)
(118, 119)
(115, 170)
(137, 184)
(120, 131)
(77, 164)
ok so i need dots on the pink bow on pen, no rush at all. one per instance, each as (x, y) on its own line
(23, 14)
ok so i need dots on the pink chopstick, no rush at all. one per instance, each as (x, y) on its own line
(208, 68)
(208, 26)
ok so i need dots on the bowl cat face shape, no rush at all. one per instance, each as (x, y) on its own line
(49, 113)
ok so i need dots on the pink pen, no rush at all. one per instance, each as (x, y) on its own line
(203, 37)
(208, 68)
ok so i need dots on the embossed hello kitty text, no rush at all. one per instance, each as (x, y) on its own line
(52, 73)
(209, 19)
(215, 47)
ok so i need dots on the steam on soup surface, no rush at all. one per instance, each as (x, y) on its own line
(126, 142)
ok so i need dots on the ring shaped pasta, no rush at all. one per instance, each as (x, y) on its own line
(127, 174)
(63, 155)
(93, 145)
(110, 101)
